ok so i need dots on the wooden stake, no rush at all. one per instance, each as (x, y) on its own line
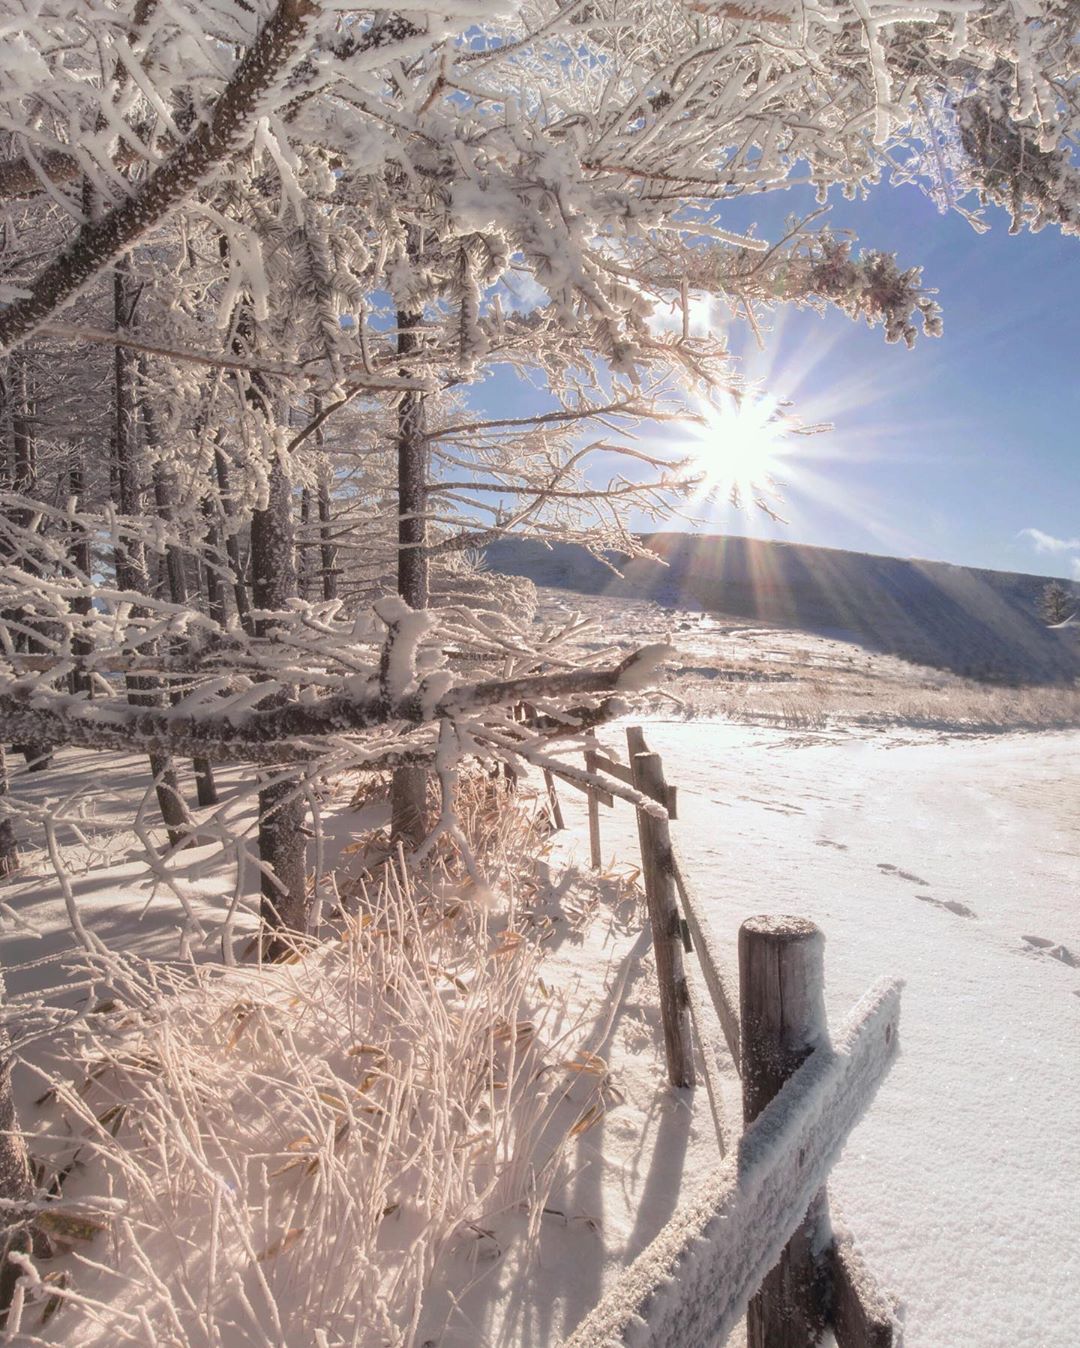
(656, 865)
(591, 759)
(553, 800)
(781, 963)
(861, 1314)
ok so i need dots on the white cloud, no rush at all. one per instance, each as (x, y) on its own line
(1076, 568)
(1048, 543)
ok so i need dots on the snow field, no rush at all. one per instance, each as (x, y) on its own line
(950, 862)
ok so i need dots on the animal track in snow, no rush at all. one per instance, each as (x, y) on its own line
(952, 905)
(1041, 946)
(828, 842)
(887, 869)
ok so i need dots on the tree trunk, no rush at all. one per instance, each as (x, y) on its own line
(176, 578)
(307, 545)
(16, 1176)
(232, 543)
(282, 809)
(215, 590)
(9, 847)
(408, 793)
(412, 477)
(24, 482)
(327, 551)
(82, 605)
(129, 561)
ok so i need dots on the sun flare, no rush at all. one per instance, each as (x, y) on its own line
(737, 446)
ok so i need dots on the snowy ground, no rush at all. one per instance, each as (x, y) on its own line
(953, 862)
(724, 667)
(920, 820)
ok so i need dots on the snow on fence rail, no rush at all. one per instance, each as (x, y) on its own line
(757, 1239)
(691, 1285)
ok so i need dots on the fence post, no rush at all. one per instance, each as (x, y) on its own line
(781, 964)
(594, 808)
(656, 866)
(553, 801)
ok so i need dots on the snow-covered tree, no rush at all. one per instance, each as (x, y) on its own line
(1056, 603)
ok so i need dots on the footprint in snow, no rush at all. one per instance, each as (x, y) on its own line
(777, 806)
(951, 905)
(887, 869)
(1041, 946)
(828, 842)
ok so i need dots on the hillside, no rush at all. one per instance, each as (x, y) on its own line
(975, 622)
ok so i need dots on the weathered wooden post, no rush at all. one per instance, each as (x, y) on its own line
(781, 967)
(557, 821)
(656, 865)
(591, 758)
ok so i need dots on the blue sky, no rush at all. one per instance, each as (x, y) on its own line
(953, 451)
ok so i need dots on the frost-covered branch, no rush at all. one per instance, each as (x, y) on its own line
(264, 736)
(99, 241)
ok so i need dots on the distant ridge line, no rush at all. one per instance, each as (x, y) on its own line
(970, 620)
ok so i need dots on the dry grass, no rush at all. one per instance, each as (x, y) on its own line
(291, 1153)
(954, 704)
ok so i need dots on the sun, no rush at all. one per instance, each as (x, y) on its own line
(737, 444)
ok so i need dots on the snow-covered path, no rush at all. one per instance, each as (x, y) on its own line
(955, 863)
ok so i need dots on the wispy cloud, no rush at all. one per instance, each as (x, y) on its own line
(1048, 543)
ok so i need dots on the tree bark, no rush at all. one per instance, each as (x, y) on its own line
(412, 476)
(408, 792)
(82, 605)
(232, 542)
(16, 1176)
(306, 565)
(282, 809)
(263, 734)
(327, 551)
(176, 578)
(38, 754)
(129, 561)
(9, 846)
(215, 590)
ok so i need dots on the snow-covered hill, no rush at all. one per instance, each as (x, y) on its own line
(979, 623)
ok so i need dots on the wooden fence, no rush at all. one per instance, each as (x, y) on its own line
(756, 1237)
